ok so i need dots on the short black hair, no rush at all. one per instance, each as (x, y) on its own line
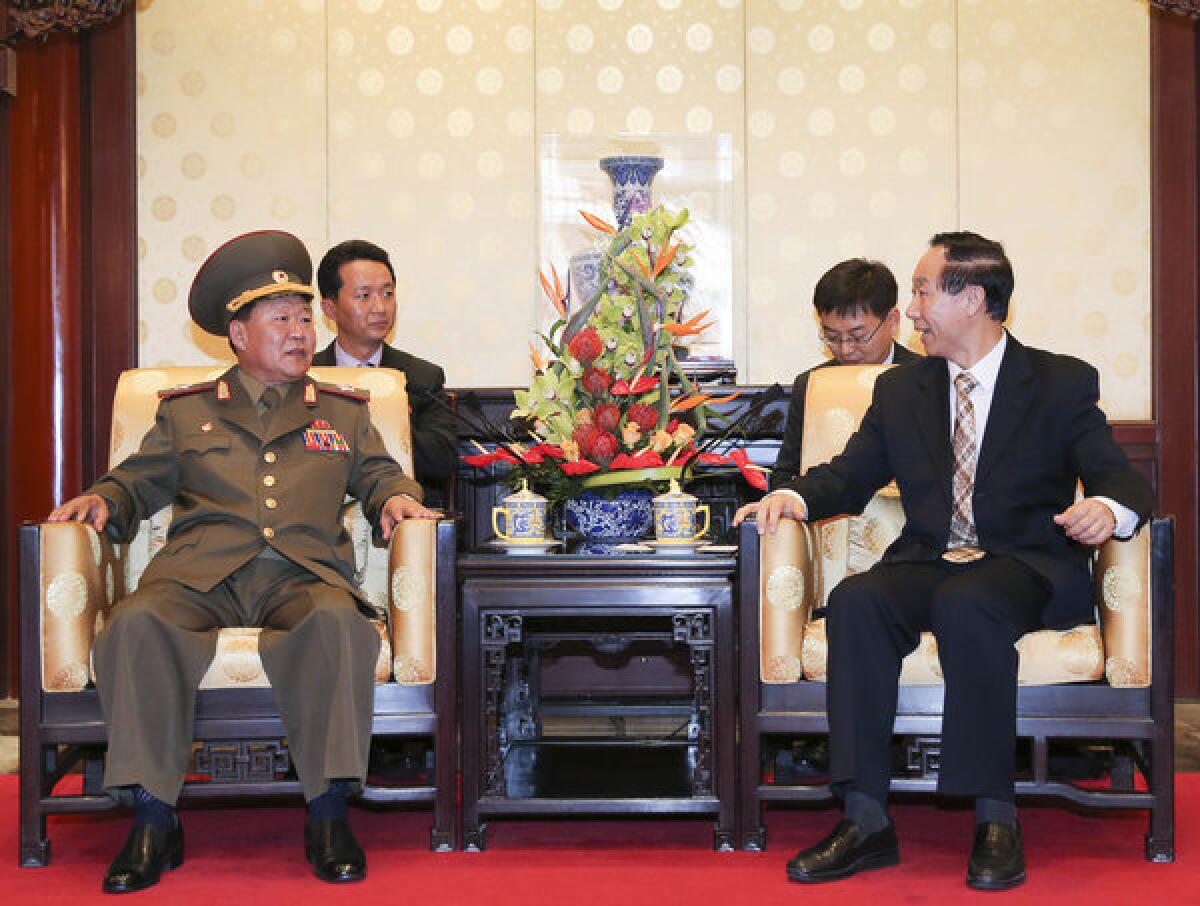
(329, 271)
(974, 260)
(854, 286)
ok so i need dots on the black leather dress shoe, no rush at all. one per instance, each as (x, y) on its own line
(331, 849)
(846, 851)
(997, 859)
(147, 853)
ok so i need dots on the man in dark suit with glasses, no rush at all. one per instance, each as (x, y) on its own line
(856, 309)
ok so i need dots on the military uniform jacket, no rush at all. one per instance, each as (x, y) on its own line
(237, 486)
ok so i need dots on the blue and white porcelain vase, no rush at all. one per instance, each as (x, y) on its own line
(626, 517)
(631, 176)
(585, 278)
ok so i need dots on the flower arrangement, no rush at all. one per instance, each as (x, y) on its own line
(601, 410)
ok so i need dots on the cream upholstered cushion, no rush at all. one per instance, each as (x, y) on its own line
(83, 574)
(1117, 649)
(1046, 657)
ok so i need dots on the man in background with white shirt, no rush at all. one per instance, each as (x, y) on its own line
(358, 293)
(987, 440)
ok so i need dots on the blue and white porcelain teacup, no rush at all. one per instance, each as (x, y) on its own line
(677, 517)
(524, 516)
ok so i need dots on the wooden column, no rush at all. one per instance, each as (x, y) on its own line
(1176, 276)
(45, 436)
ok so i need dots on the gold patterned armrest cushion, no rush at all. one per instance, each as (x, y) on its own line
(1047, 657)
(787, 586)
(1122, 574)
(413, 597)
(237, 663)
(81, 577)
(370, 562)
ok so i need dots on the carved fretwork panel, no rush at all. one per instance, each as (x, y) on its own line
(259, 761)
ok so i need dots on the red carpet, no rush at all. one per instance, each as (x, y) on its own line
(254, 857)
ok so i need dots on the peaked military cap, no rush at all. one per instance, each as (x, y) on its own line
(244, 270)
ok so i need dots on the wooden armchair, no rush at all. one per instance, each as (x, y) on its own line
(71, 577)
(1108, 684)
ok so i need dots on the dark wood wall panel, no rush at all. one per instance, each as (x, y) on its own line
(8, 553)
(1176, 276)
(109, 229)
(44, 191)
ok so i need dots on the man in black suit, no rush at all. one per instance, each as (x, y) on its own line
(987, 440)
(856, 308)
(358, 293)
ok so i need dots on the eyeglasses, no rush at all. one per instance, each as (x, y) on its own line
(833, 342)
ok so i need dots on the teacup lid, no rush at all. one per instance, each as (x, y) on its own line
(525, 495)
(674, 493)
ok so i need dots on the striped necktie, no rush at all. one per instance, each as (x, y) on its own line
(962, 520)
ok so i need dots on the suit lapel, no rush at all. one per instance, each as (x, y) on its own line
(1011, 399)
(294, 414)
(238, 409)
(932, 416)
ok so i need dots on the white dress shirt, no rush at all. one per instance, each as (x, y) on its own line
(345, 360)
(986, 371)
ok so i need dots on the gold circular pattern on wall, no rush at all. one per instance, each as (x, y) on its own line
(163, 207)
(610, 80)
(370, 83)
(193, 165)
(639, 120)
(489, 80)
(192, 83)
(223, 207)
(699, 38)
(400, 123)
(193, 248)
(580, 121)
(400, 41)
(282, 208)
(162, 42)
(1095, 324)
(519, 39)
(1126, 365)
(253, 166)
(430, 81)
(222, 125)
(669, 79)
(1124, 281)
(164, 291)
(163, 125)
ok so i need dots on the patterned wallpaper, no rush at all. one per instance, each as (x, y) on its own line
(859, 127)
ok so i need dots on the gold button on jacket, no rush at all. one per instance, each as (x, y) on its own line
(212, 478)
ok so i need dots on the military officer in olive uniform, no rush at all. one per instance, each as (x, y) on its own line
(256, 465)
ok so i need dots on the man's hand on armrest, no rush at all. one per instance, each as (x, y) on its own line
(90, 508)
(399, 508)
(1090, 521)
(775, 506)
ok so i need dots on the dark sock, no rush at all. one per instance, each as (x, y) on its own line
(331, 804)
(869, 814)
(996, 811)
(151, 811)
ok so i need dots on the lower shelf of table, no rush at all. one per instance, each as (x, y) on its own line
(544, 771)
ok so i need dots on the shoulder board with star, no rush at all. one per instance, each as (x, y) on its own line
(350, 393)
(185, 389)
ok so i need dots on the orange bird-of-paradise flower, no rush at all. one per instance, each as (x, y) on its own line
(689, 327)
(690, 402)
(596, 222)
(665, 257)
(539, 363)
(554, 292)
